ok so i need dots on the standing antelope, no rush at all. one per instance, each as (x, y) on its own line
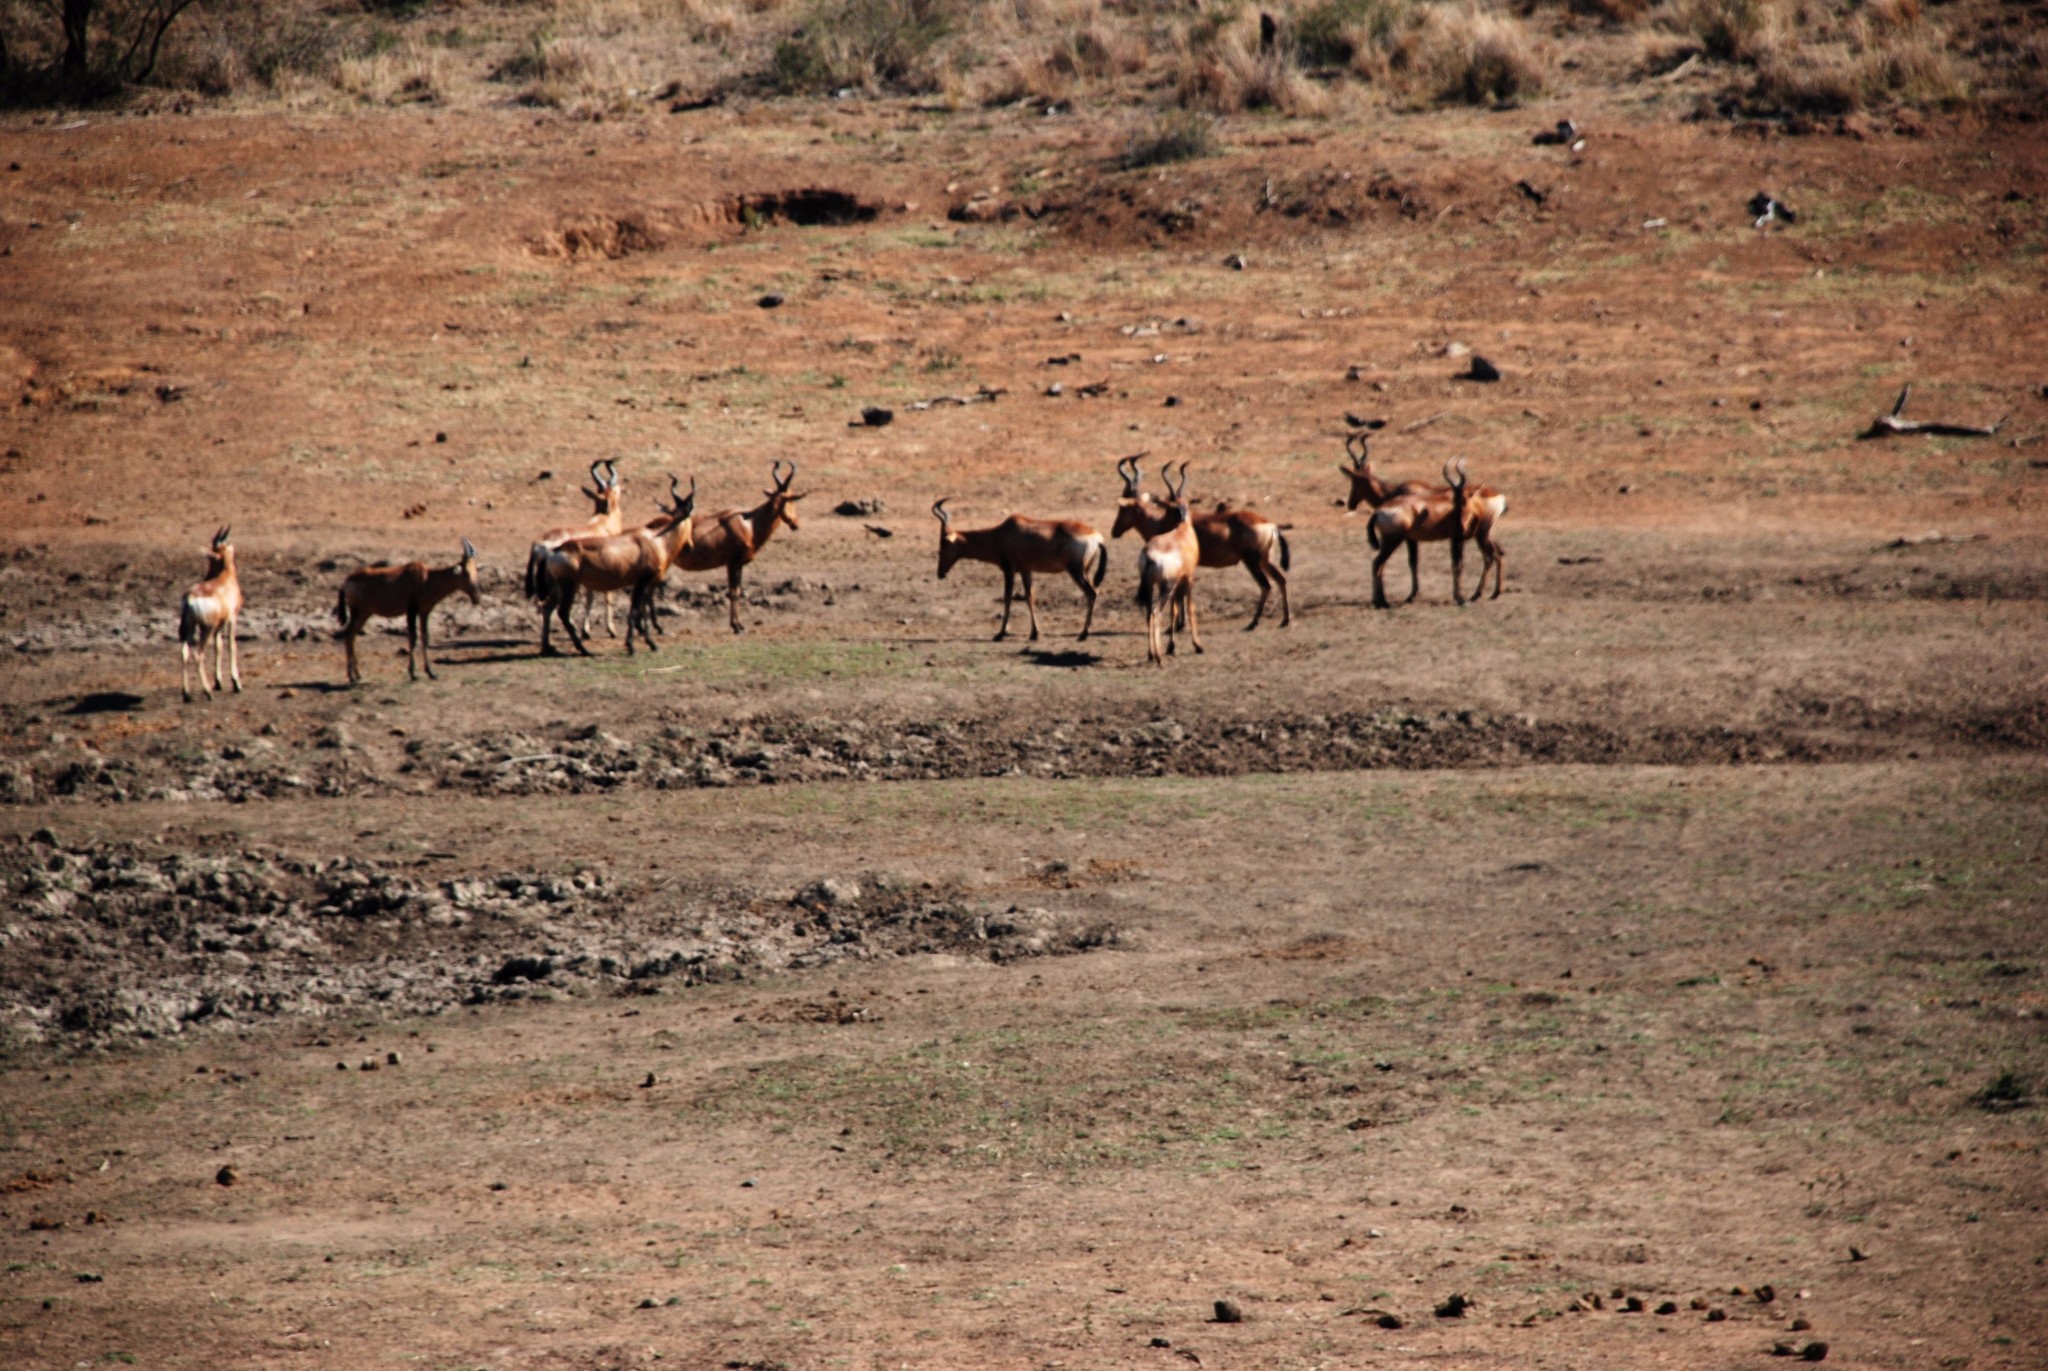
(384, 591)
(1426, 514)
(1166, 572)
(636, 561)
(1484, 508)
(731, 538)
(606, 492)
(1227, 537)
(206, 618)
(1020, 547)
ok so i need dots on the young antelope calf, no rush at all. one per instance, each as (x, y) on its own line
(206, 618)
(384, 591)
(1166, 573)
(1021, 546)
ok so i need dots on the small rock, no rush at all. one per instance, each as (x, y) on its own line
(1056, 389)
(747, 1184)
(1172, 401)
(649, 1304)
(391, 1059)
(440, 437)
(1388, 1321)
(1857, 1254)
(1482, 370)
(855, 509)
(1800, 1326)
(648, 1084)
(1783, 1349)
(1456, 350)
(1632, 1305)
(1454, 1307)
(369, 1064)
(1814, 1351)
(874, 416)
(1159, 1342)
(1717, 1316)
(1765, 1294)
(772, 300)
(1668, 1307)
(95, 1278)
(1236, 262)
(499, 1185)
(227, 1175)
(1227, 1311)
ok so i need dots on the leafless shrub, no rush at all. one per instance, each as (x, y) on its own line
(1472, 54)
(881, 43)
(1179, 136)
(1229, 68)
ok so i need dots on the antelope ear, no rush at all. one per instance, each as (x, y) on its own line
(792, 499)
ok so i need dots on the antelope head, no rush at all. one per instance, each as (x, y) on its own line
(1360, 470)
(465, 571)
(680, 505)
(780, 497)
(1129, 505)
(220, 553)
(951, 544)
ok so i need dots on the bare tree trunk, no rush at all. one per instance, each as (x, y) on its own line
(77, 20)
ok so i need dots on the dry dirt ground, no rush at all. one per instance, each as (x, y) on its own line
(860, 992)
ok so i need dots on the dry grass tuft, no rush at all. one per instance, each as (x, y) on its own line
(410, 73)
(1228, 68)
(1474, 55)
(1174, 137)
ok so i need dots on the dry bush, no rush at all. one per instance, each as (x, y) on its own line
(1225, 68)
(1471, 54)
(885, 44)
(1745, 31)
(1178, 136)
(412, 72)
(1048, 49)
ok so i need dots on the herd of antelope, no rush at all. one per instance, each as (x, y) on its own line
(602, 556)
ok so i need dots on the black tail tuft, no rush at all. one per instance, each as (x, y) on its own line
(536, 572)
(341, 609)
(1372, 537)
(1101, 562)
(188, 623)
(1286, 553)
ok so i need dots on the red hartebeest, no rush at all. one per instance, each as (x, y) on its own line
(606, 492)
(1020, 547)
(1484, 509)
(1227, 537)
(206, 618)
(413, 590)
(1166, 573)
(634, 561)
(731, 538)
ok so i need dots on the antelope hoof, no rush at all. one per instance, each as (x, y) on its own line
(1001, 634)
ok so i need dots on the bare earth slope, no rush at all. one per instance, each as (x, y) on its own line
(860, 992)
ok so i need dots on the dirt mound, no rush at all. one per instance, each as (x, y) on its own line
(614, 234)
(114, 941)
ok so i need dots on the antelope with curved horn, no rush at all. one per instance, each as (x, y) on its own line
(1166, 572)
(1484, 508)
(412, 590)
(206, 618)
(635, 561)
(1227, 537)
(606, 493)
(1023, 547)
(731, 538)
(1430, 514)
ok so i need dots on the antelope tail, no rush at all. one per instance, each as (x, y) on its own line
(1145, 587)
(536, 567)
(1101, 560)
(341, 610)
(1286, 554)
(188, 624)
(1372, 537)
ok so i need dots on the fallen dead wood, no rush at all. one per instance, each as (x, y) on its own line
(984, 395)
(1884, 425)
(1923, 539)
(1425, 423)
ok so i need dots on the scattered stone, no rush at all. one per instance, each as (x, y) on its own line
(1564, 135)
(1783, 1349)
(1632, 1305)
(391, 1059)
(857, 509)
(1236, 262)
(1857, 1254)
(369, 1064)
(1389, 1321)
(1455, 1306)
(1814, 1351)
(227, 1175)
(772, 300)
(1227, 1311)
(1765, 1294)
(1172, 401)
(1668, 1307)
(649, 1303)
(648, 1084)
(499, 1185)
(874, 416)
(1480, 370)
(95, 1278)
(1800, 1325)
(1768, 209)
(1717, 1316)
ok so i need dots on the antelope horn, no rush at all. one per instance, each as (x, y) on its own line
(1454, 473)
(220, 539)
(781, 481)
(1355, 445)
(596, 479)
(939, 509)
(468, 550)
(611, 472)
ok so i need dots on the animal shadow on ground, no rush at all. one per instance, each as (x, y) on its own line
(1064, 657)
(104, 702)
